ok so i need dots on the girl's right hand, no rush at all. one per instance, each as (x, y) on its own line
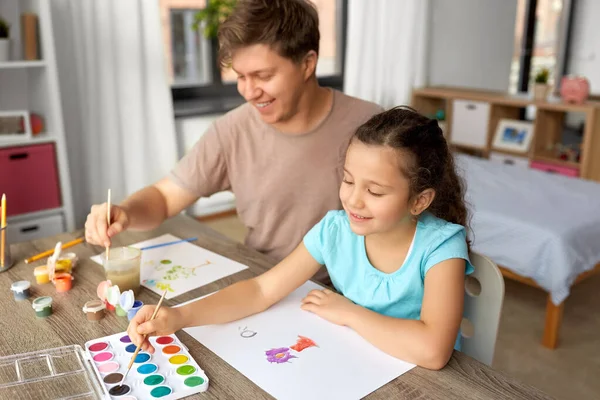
(167, 321)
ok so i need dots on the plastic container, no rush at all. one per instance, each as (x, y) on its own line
(72, 257)
(41, 274)
(64, 265)
(21, 290)
(63, 282)
(123, 268)
(94, 310)
(136, 307)
(42, 306)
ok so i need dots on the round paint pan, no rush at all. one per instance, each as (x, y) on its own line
(164, 340)
(160, 391)
(186, 370)
(196, 381)
(131, 348)
(98, 347)
(125, 339)
(113, 378)
(119, 390)
(142, 358)
(178, 360)
(154, 379)
(103, 356)
(171, 349)
(147, 368)
(108, 367)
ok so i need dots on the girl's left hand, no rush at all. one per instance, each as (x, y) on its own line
(329, 305)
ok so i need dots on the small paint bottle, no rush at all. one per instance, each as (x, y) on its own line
(94, 310)
(20, 290)
(41, 274)
(42, 306)
(63, 265)
(136, 307)
(72, 257)
(63, 282)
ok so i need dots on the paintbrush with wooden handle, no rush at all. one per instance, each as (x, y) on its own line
(137, 350)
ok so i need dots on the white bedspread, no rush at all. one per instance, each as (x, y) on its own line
(539, 225)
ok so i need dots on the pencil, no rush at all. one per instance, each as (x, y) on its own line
(3, 228)
(51, 251)
(137, 350)
(108, 224)
(154, 246)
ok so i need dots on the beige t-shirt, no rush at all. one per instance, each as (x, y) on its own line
(283, 184)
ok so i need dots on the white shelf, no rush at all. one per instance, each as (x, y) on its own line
(22, 64)
(17, 141)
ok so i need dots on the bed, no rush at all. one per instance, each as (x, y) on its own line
(541, 229)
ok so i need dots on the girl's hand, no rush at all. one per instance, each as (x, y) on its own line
(329, 305)
(167, 321)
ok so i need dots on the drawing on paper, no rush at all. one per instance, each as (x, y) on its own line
(283, 354)
(246, 333)
(173, 273)
(280, 355)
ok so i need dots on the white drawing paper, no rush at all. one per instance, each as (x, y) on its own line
(294, 354)
(180, 267)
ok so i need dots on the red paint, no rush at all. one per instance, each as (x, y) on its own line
(164, 340)
(303, 343)
(98, 346)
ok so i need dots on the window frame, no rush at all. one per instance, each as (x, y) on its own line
(218, 90)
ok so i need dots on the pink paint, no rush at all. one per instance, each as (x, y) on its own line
(102, 357)
(108, 367)
(164, 340)
(96, 347)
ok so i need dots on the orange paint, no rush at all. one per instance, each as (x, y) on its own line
(172, 349)
(303, 343)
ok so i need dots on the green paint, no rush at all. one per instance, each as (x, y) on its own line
(154, 380)
(194, 381)
(186, 370)
(165, 261)
(161, 391)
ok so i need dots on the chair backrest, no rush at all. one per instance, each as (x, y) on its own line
(483, 306)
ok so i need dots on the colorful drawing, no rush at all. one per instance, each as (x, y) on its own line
(279, 356)
(246, 333)
(303, 343)
(173, 273)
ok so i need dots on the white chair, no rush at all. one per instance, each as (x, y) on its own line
(483, 305)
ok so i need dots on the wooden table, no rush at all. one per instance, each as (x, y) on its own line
(21, 331)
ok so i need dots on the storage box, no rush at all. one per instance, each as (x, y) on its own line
(36, 228)
(470, 123)
(29, 177)
(555, 168)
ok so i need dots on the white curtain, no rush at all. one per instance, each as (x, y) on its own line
(115, 94)
(386, 53)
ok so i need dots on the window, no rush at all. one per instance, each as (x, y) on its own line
(541, 40)
(191, 59)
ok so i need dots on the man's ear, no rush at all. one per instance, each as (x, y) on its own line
(309, 64)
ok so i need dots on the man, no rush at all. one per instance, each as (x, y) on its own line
(281, 153)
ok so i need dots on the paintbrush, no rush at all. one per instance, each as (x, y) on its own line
(137, 350)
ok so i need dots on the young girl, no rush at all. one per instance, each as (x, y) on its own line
(397, 252)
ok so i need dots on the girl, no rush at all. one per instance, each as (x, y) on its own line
(397, 252)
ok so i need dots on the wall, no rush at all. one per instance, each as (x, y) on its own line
(585, 46)
(471, 43)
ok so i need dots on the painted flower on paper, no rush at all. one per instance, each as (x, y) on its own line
(303, 343)
(279, 355)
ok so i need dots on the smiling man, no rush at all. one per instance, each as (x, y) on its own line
(281, 153)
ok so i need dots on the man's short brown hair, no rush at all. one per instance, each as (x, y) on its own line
(290, 27)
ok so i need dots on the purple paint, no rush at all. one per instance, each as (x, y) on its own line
(279, 355)
(125, 339)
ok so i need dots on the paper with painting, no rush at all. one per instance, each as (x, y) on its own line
(294, 354)
(180, 267)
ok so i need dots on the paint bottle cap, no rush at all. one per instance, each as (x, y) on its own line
(41, 302)
(113, 293)
(102, 288)
(71, 257)
(93, 306)
(41, 270)
(126, 300)
(20, 286)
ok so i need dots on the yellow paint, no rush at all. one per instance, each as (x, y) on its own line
(178, 359)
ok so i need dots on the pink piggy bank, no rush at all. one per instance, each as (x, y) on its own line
(574, 89)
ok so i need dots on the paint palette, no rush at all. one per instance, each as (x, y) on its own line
(170, 373)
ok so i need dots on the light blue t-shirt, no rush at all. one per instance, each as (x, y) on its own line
(399, 294)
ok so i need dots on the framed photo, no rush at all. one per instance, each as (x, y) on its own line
(513, 135)
(15, 125)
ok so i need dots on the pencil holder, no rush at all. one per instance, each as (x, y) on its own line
(5, 259)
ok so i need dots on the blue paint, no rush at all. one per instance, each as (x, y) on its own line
(142, 358)
(147, 369)
(130, 348)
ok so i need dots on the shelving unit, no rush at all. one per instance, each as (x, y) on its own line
(32, 85)
(488, 108)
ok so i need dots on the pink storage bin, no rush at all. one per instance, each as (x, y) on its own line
(555, 168)
(29, 177)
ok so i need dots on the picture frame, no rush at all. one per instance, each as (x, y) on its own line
(513, 135)
(15, 125)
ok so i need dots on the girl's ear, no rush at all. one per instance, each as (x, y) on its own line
(422, 201)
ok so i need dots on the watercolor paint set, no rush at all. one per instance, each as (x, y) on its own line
(168, 374)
